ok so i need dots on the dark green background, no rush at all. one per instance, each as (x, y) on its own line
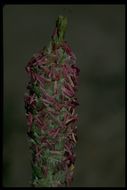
(96, 34)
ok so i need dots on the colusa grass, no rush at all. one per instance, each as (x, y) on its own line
(50, 105)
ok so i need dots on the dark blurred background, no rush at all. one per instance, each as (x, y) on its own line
(96, 34)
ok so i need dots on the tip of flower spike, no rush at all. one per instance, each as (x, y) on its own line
(60, 29)
(61, 21)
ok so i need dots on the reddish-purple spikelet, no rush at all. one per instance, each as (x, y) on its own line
(68, 50)
(54, 132)
(29, 120)
(38, 119)
(67, 148)
(67, 92)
